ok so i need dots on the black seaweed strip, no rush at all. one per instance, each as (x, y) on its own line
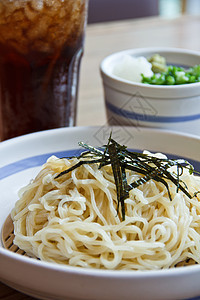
(116, 168)
(80, 163)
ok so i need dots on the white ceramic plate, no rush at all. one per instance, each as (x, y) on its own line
(21, 159)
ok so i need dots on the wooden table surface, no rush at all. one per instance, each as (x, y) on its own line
(104, 39)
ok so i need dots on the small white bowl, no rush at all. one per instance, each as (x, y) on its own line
(175, 107)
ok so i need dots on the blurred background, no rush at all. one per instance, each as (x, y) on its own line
(174, 8)
(111, 10)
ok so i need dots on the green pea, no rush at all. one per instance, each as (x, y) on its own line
(170, 80)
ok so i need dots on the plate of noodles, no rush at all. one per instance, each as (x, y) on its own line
(101, 213)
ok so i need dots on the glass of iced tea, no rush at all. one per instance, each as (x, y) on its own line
(41, 45)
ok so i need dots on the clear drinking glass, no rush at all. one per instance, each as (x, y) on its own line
(41, 45)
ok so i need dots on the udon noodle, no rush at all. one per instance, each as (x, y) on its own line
(74, 220)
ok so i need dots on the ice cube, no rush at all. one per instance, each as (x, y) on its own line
(37, 4)
(42, 46)
(49, 2)
(30, 13)
(39, 29)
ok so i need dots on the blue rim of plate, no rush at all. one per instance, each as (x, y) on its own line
(39, 160)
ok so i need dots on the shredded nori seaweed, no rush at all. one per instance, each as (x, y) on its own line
(121, 159)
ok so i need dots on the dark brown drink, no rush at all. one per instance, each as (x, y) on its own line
(41, 44)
